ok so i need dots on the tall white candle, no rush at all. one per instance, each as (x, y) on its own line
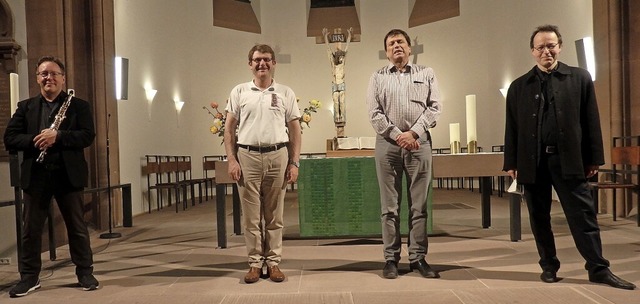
(454, 132)
(472, 134)
(15, 90)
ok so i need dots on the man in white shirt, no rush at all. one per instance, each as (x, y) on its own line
(266, 117)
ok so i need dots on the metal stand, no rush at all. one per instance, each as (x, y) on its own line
(110, 234)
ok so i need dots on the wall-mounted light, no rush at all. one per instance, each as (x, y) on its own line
(586, 55)
(122, 78)
(178, 104)
(150, 94)
(503, 91)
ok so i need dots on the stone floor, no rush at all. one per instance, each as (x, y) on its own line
(172, 258)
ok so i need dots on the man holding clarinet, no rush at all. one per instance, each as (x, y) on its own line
(52, 129)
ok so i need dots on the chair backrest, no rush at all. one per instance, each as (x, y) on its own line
(626, 155)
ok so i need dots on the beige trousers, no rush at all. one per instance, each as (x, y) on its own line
(262, 188)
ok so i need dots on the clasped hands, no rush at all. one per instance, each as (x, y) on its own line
(407, 140)
(45, 139)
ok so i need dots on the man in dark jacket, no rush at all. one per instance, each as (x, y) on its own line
(61, 174)
(553, 138)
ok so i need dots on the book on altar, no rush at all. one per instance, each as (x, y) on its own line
(354, 143)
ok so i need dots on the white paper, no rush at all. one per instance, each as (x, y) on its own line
(515, 188)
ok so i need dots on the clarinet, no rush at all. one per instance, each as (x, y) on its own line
(56, 123)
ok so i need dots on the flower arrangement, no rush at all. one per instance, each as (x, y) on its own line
(218, 120)
(313, 107)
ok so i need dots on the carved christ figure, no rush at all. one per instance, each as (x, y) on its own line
(337, 60)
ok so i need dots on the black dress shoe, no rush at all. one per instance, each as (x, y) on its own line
(424, 269)
(390, 270)
(549, 276)
(606, 277)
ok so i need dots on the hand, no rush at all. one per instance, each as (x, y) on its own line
(407, 140)
(45, 139)
(325, 32)
(591, 170)
(513, 173)
(414, 146)
(292, 174)
(234, 170)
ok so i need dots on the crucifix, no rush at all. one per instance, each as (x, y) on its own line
(337, 60)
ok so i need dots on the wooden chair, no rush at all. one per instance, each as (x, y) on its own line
(184, 170)
(164, 170)
(625, 172)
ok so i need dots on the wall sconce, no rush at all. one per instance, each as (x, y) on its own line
(122, 78)
(179, 104)
(503, 91)
(586, 55)
(150, 93)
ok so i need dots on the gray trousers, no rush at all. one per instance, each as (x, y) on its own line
(392, 163)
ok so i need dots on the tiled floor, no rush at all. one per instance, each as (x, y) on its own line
(172, 258)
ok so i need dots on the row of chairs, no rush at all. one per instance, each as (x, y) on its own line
(172, 173)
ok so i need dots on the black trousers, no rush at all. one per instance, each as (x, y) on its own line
(44, 185)
(579, 209)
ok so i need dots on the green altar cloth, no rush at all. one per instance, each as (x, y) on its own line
(341, 197)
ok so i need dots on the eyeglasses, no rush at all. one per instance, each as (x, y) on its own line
(549, 47)
(257, 60)
(47, 74)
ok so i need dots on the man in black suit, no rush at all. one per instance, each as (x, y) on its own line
(62, 174)
(553, 138)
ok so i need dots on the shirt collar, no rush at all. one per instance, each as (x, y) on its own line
(393, 69)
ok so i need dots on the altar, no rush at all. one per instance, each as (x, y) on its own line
(339, 196)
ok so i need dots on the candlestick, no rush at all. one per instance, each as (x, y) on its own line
(454, 137)
(15, 92)
(472, 135)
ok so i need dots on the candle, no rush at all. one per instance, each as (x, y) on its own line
(15, 89)
(454, 132)
(471, 119)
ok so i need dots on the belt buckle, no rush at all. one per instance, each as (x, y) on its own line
(550, 149)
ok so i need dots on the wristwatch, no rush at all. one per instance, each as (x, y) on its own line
(295, 163)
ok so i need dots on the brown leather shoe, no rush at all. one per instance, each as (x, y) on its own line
(253, 275)
(275, 274)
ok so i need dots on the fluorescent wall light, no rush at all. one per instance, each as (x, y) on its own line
(586, 55)
(122, 78)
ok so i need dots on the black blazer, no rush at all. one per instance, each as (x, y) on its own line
(76, 132)
(579, 133)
